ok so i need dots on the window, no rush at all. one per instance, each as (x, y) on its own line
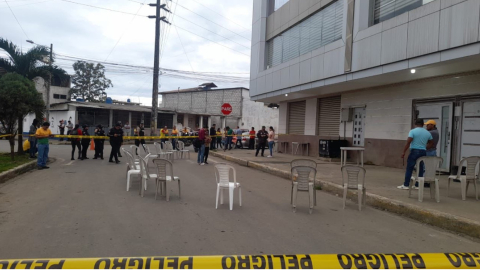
(63, 96)
(387, 9)
(316, 31)
(56, 96)
(274, 5)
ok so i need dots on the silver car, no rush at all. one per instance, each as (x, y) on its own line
(246, 139)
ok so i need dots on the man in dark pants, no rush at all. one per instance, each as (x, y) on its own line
(99, 143)
(85, 142)
(140, 131)
(118, 153)
(61, 127)
(262, 136)
(76, 131)
(417, 141)
(251, 142)
(116, 139)
(213, 134)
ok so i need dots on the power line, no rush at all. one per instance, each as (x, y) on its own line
(221, 15)
(27, 4)
(112, 10)
(16, 19)
(213, 22)
(125, 30)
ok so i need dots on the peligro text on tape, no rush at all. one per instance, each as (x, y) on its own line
(302, 261)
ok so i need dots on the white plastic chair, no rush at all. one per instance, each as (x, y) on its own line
(431, 175)
(183, 152)
(132, 168)
(169, 148)
(152, 154)
(162, 153)
(145, 175)
(164, 177)
(222, 176)
(353, 178)
(301, 182)
(471, 172)
(133, 152)
(306, 163)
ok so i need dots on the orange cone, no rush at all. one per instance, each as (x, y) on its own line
(92, 145)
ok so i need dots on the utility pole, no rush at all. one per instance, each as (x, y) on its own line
(156, 65)
(49, 83)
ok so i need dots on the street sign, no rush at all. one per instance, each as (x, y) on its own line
(226, 109)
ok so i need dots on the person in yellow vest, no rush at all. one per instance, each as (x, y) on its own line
(174, 139)
(163, 135)
(43, 134)
(219, 139)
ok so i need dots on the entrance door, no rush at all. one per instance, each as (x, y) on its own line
(442, 114)
(470, 145)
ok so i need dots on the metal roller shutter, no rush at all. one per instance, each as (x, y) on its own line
(296, 117)
(329, 116)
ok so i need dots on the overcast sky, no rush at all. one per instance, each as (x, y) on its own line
(220, 45)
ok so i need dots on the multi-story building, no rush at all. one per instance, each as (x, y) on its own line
(363, 70)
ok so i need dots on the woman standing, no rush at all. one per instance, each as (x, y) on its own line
(271, 140)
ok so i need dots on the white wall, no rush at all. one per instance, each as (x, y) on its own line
(40, 86)
(256, 114)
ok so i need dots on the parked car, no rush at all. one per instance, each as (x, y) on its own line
(246, 139)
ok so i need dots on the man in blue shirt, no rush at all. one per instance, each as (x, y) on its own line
(417, 141)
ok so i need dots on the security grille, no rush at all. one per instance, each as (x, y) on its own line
(296, 117)
(329, 116)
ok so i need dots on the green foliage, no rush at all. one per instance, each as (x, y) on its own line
(18, 97)
(89, 82)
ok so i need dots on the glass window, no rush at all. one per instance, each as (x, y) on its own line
(274, 5)
(387, 9)
(63, 96)
(56, 96)
(320, 29)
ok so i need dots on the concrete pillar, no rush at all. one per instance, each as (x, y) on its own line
(130, 122)
(110, 122)
(209, 121)
(185, 120)
(311, 116)
(224, 122)
(175, 119)
(201, 122)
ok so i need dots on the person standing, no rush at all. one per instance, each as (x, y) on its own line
(32, 138)
(119, 154)
(61, 127)
(42, 134)
(228, 139)
(213, 134)
(85, 142)
(208, 142)
(127, 129)
(116, 140)
(174, 139)
(99, 143)
(163, 135)
(238, 143)
(201, 150)
(417, 141)
(271, 140)
(251, 142)
(69, 128)
(262, 136)
(76, 141)
(432, 147)
(219, 139)
(140, 132)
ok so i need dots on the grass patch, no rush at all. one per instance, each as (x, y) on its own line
(6, 162)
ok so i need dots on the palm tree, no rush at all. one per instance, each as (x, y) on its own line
(29, 65)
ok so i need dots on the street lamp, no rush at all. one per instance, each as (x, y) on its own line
(47, 114)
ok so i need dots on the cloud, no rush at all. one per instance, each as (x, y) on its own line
(91, 33)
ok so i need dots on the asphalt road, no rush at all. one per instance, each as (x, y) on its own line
(81, 209)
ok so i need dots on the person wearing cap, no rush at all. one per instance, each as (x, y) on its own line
(418, 139)
(116, 139)
(432, 128)
(42, 134)
(99, 143)
(85, 142)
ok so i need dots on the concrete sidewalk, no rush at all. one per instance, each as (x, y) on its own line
(381, 182)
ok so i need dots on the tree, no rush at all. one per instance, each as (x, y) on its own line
(89, 81)
(29, 65)
(18, 97)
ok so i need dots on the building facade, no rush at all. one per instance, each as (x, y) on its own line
(200, 106)
(364, 70)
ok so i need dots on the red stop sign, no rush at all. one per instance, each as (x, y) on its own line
(226, 109)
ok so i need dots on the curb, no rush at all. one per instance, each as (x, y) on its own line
(435, 218)
(12, 173)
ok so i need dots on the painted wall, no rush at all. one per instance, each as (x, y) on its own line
(40, 86)
(256, 114)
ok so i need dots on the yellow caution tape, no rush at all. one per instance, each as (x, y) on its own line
(302, 261)
(126, 137)
(8, 135)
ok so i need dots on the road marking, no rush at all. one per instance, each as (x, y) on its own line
(70, 163)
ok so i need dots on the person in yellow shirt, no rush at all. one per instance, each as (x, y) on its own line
(163, 135)
(219, 139)
(42, 136)
(174, 140)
